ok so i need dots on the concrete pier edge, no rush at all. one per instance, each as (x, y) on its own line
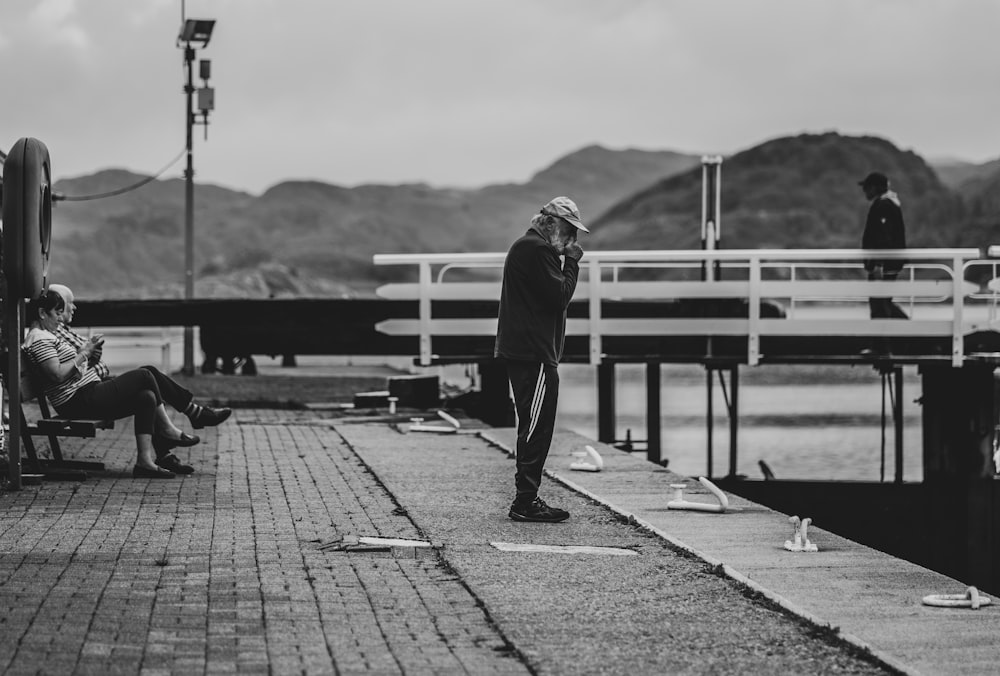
(727, 570)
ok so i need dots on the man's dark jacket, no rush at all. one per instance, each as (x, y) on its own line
(884, 229)
(536, 292)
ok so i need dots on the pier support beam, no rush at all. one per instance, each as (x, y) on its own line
(496, 407)
(963, 503)
(709, 423)
(732, 402)
(897, 417)
(653, 452)
(606, 402)
(734, 417)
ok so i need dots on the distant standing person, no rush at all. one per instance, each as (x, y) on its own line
(531, 332)
(884, 229)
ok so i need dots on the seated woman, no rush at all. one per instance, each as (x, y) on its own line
(76, 390)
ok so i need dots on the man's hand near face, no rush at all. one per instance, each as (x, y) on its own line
(574, 250)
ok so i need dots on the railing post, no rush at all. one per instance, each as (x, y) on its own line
(958, 300)
(594, 273)
(753, 317)
(425, 313)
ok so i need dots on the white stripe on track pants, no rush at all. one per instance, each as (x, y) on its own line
(536, 394)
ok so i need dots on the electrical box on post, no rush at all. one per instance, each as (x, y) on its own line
(206, 99)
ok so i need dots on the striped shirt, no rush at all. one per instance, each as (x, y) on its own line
(76, 341)
(40, 345)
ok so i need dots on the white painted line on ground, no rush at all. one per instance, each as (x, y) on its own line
(433, 428)
(563, 549)
(393, 542)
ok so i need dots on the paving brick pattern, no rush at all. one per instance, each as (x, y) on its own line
(225, 571)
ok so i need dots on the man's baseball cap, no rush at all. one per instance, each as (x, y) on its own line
(875, 180)
(566, 209)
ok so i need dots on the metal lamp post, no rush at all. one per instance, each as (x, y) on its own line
(194, 33)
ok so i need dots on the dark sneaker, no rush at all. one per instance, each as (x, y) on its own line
(537, 511)
(203, 416)
(172, 463)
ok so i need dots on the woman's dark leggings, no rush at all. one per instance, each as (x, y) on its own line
(136, 392)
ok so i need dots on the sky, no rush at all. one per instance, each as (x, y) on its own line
(472, 92)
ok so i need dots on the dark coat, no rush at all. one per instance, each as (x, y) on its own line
(884, 229)
(536, 291)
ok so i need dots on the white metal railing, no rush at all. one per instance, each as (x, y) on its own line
(799, 277)
(139, 340)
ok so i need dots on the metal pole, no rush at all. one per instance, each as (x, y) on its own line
(12, 329)
(717, 213)
(188, 367)
(711, 201)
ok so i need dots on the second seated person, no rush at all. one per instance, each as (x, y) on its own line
(200, 416)
(76, 390)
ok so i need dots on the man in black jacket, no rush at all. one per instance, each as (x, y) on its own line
(531, 331)
(884, 229)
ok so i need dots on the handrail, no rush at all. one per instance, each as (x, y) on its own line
(697, 255)
(948, 264)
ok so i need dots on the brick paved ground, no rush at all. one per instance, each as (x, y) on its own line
(236, 569)
(224, 571)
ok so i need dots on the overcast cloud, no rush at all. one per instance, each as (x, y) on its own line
(469, 92)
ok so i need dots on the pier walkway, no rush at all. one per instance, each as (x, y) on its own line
(256, 564)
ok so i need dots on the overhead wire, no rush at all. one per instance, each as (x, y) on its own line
(59, 197)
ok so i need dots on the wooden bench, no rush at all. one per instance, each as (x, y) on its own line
(52, 427)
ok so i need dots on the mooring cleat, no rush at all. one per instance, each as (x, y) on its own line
(795, 544)
(450, 419)
(806, 545)
(970, 599)
(800, 536)
(680, 503)
(596, 464)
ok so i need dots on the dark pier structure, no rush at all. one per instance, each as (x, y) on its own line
(949, 522)
(722, 309)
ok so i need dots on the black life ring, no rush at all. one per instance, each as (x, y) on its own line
(27, 216)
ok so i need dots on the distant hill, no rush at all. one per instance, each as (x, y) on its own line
(321, 236)
(593, 177)
(795, 192)
(313, 238)
(956, 173)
